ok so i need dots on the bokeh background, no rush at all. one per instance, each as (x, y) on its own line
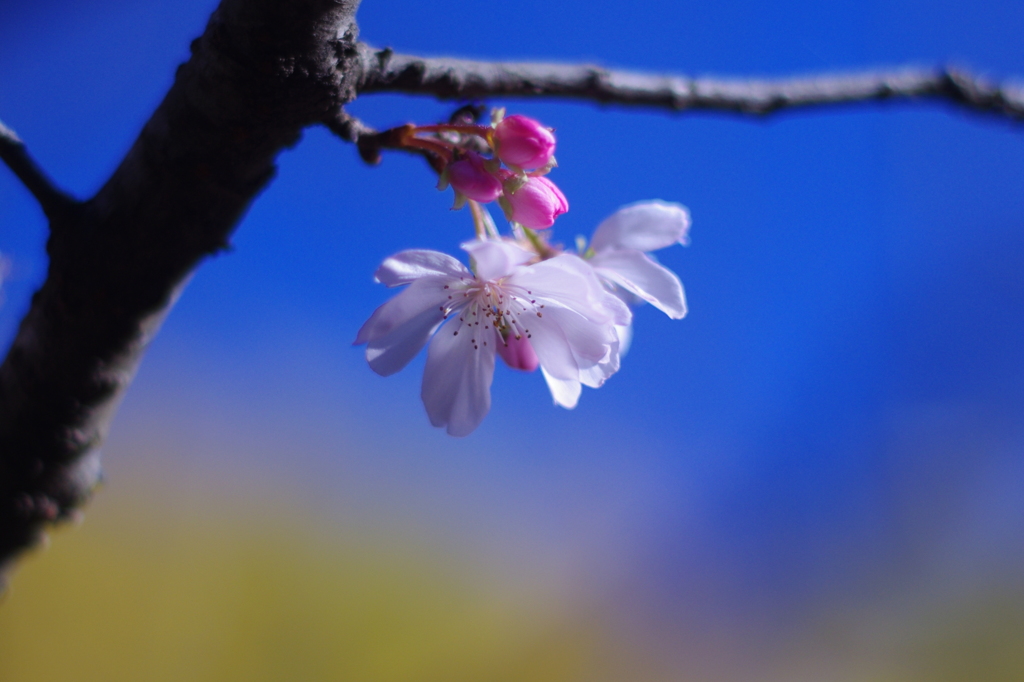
(817, 475)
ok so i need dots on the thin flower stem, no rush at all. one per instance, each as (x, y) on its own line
(431, 146)
(482, 131)
(488, 223)
(538, 244)
(482, 221)
(478, 219)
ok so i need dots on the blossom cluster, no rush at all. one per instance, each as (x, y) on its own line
(523, 299)
(522, 153)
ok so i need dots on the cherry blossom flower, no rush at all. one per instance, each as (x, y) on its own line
(618, 254)
(554, 313)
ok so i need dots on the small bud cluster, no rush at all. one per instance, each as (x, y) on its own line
(508, 167)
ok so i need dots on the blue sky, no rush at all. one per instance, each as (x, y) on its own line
(838, 418)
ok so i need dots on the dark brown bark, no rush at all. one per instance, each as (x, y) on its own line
(261, 72)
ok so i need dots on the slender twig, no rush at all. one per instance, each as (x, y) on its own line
(53, 201)
(371, 142)
(348, 127)
(444, 78)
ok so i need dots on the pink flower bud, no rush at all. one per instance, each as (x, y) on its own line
(537, 203)
(518, 354)
(523, 142)
(469, 177)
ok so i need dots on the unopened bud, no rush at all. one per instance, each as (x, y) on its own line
(523, 142)
(537, 203)
(469, 177)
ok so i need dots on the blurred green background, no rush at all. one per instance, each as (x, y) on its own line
(222, 588)
(153, 591)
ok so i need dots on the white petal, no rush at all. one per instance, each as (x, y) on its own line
(628, 299)
(397, 330)
(617, 305)
(646, 226)
(596, 376)
(494, 258)
(391, 352)
(589, 341)
(457, 380)
(566, 392)
(570, 281)
(638, 274)
(572, 348)
(625, 333)
(574, 336)
(404, 267)
(553, 351)
(423, 294)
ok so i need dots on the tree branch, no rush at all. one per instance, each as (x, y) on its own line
(262, 71)
(53, 201)
(385, 71)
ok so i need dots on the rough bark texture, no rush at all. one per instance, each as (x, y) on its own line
(262, 71)
(445, 78)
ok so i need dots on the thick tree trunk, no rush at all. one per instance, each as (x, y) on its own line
(260, 73)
